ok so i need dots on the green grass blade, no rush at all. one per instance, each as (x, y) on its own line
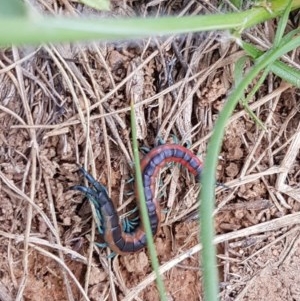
(97, 4)
(287, 73)
(238, 71)
(238, 74)
(38, 29)
(282, 24)
(12, 8)
(237, 3)
(143, 208)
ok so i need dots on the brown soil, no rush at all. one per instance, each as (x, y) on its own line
(70, 104)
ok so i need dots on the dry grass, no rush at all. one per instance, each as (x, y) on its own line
(67, 104)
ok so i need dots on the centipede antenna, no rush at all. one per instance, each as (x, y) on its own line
(86, 190)
(98, 186)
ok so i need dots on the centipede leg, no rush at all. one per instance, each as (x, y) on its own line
(129, 225)
(103, 246)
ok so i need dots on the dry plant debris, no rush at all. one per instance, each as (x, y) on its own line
(67, 104)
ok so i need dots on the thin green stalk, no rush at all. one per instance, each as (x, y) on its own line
(143, 208)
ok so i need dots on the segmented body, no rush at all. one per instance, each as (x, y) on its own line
(119, 241)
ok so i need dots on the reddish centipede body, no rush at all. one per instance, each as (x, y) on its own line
(119, 241)
(150, 166)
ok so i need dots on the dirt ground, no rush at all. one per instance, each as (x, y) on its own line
(67, 104)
